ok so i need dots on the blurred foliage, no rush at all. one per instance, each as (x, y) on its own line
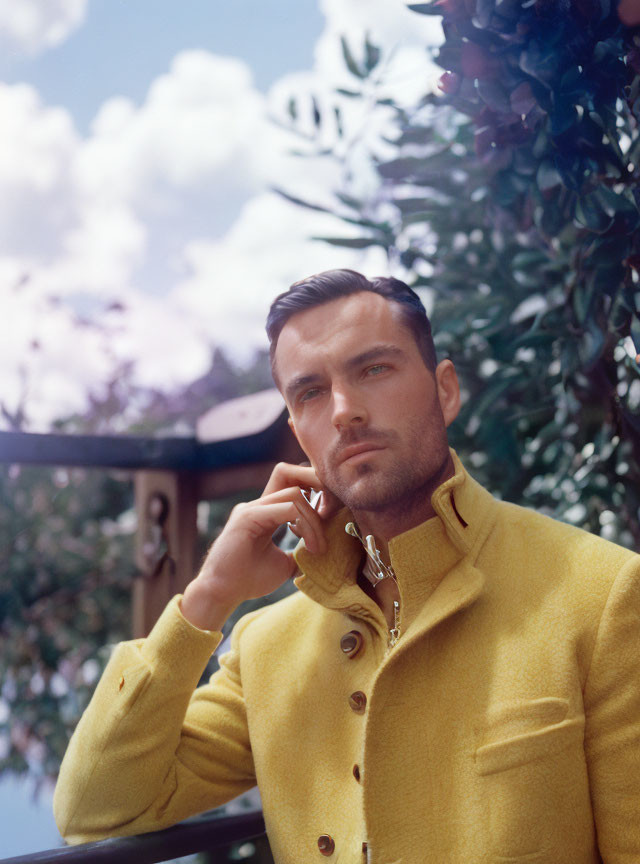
(67, 563)
(66, 566)
(511, 202)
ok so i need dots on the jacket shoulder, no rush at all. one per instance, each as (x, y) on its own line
(560, 542)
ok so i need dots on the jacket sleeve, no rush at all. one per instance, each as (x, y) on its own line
(152, 748)
(612, 731)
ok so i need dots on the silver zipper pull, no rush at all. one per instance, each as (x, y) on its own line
(394, 632)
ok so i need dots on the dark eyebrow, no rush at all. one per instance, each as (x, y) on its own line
(298, 383)
(376, 353)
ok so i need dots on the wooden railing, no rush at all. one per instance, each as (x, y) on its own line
(200, 834)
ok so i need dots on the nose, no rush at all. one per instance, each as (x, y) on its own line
(348, 408)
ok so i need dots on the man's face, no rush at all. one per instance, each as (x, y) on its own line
(366, 410)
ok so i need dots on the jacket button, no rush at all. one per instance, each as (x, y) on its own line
(358, 702)
(326, 845)
(364, 848)
(121, 682)
(351, 643)
(356, 772)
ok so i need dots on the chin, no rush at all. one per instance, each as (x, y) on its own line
(368, 496)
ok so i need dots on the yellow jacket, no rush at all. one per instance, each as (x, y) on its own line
(504, 725)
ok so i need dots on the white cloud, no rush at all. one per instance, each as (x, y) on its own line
(197, 124)
(233, 280)
(179, 166)
(38, 146)
(47, 360)
(31, 26)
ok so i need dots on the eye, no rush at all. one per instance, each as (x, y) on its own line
(377, 369)
(309, 394)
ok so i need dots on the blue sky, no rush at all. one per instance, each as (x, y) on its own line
(122, 45)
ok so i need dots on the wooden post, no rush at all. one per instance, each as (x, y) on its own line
(166, 504)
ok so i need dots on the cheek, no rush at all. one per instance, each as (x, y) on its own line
(306, 440)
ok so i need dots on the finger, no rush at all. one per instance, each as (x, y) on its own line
(294, 493)
(285, 475)
(328, 505)
(309, 528)
(262, 519)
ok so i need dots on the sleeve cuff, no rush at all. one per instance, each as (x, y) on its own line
(175, 643)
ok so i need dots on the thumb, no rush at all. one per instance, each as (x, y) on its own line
(329, 505)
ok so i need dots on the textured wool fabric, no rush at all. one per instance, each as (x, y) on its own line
(504, 726)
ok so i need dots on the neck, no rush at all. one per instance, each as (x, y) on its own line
(404, 515)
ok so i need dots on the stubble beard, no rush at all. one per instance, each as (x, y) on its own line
(400, 487)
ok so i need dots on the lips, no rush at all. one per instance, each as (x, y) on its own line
(357, 449)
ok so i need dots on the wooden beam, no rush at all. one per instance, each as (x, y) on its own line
(100, 451)
(132, 452)
(227, 481)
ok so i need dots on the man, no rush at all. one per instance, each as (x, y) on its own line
(456, 679)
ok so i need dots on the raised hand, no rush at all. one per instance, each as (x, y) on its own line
(244, 562)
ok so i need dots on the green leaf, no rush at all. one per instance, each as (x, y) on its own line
(350, 60)
(372, 55)
(317, 117)
(528, 259)
(425, 8)
(540, 61)
(591, 345)
(563, 116)
(300, 201)
(494, 95)
(491, 395)
(421, 216)
(547, 176)
(508, 186)
(351, 242)
(591, 214)
(635, 332)
(583, 297)
(484, 11)
(349, 200)
(522, 99)
(414, 167)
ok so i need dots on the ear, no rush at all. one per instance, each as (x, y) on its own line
(448, 390)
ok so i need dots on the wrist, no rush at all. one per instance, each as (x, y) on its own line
(206, 606)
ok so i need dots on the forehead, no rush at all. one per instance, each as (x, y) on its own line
(338, 328)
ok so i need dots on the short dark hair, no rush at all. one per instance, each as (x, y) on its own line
(335, 284)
